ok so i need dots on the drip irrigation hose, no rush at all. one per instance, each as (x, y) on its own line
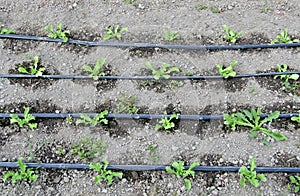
(149, 45)
(150, 167)
(143, 77)
(136, 116)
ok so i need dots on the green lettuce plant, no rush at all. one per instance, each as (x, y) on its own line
(179, 170)
(23, 173)
(24, 121)
(95, 72)
(34, 70)
(251, 175)
(228, 71)
(231, 35)
(58, 33)
(163, 72)
(104, 173)
(253, 120)
(283, 37)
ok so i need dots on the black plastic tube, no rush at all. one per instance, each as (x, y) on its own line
(143, 77)
(149, 45)
(136, 116)
(149, 167)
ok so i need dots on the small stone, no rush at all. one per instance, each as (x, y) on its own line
(170, 185)
(56, 180)
(66, 179)
(215, 192)
(174, 148)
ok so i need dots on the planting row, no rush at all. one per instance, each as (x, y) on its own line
(89, 148)
(116, 32)
(290, 82)
(253, 119)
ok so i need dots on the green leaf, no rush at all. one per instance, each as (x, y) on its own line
(188, 184)
(252, 164)
(262, 177)
(87, 68)
(254, 182)
(8, 175)
(275, 135)
(243, 182)
(294, 77)
(170, 170)
(23, 70)
(270, 118)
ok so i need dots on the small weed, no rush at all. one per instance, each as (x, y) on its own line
(251, 89)
(294, 184)
(131, 2)
(153, 152)
(58, 33)
(114, 32)
(22, 174)
(296, 118)
(188, 73)
(215, 9)
(171, 35)
(88, 148)
(86, 120)
(104, 174)
(175, 84)
(266, 10)
(34, 70)
(6, 31)
(250, 175)
(228, 71)
(60, 151)
(95, 72)
(252, 119)
(286, 79)
(69, 119)
(284, 38)
(231, 35)
(201, 7)
(163, 72)
(166, 123)
(179, 170)
(126, 104)
(25, 121)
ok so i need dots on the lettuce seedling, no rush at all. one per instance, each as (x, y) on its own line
(25, 121)
(114, 32)
(33, 69)
(228, 71)
(166, 123)
(231, 36)
(58, 33)
(284, 38)
(100, 118)
(171, 35)
(104, 174)
(251, 175)
(286, 79)
(179, 170)
(252, 119)
(163, 72)
(95, 72)
(22, 174)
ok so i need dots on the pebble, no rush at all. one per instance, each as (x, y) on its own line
(66, 179)
(174, 148)
(170, 185)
